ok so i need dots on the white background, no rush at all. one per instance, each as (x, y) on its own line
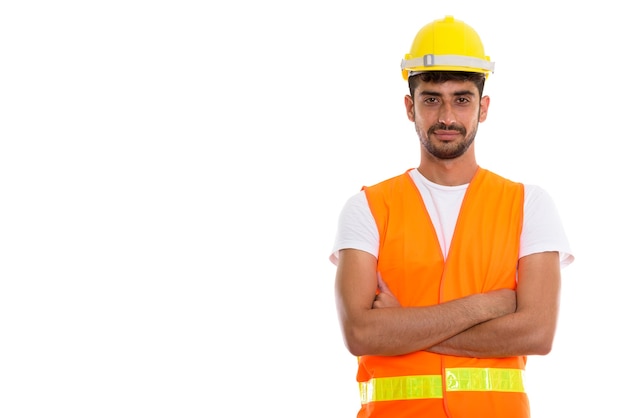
(171, 173)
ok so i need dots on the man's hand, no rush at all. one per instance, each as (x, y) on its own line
(384, 298)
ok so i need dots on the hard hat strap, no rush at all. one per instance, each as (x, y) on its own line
(431, 60)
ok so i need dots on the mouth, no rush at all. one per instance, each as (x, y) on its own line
(446, 135)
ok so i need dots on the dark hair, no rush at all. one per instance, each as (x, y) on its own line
(442, 76)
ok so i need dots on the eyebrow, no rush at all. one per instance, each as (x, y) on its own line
(438, 94)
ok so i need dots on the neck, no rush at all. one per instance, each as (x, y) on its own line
(453, 172)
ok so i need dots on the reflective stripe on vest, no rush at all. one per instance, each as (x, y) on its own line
(430, 386)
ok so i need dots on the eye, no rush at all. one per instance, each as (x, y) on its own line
(430, 100)
(463, 100)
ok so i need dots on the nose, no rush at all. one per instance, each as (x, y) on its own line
(446, 114)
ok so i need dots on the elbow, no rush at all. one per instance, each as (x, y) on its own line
(355, 349)
(355, 341)
(542, 344)
(543, 347)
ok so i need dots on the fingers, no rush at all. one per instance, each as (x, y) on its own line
(382, 286)
(385, 299)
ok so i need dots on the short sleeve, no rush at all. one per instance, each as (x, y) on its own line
(542, 228)
(356, 228)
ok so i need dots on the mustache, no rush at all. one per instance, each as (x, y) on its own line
(443, 127)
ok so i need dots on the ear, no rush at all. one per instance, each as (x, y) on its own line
(410, 109)
(484, 108)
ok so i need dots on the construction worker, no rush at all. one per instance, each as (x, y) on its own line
(448, 275)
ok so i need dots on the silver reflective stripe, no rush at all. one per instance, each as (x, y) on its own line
(431, 60)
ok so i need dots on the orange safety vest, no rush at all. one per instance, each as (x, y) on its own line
(483, 256)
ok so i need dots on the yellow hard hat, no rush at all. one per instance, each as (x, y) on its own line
(446, 45)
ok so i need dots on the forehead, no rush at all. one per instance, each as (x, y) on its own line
(450, 87)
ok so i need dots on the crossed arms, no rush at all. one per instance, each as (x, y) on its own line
(500, 323)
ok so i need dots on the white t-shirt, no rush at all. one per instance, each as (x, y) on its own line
(542, 229)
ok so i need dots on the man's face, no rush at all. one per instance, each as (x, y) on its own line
(446, 116)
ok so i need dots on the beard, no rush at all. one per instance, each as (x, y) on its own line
(447, 151)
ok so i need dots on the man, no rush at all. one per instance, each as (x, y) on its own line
(448, 275)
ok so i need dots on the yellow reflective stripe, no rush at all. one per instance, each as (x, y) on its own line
(400, 388)
(430, 386)
(483, 379)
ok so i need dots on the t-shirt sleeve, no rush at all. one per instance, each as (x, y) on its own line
(542, 228)
(356, 228)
